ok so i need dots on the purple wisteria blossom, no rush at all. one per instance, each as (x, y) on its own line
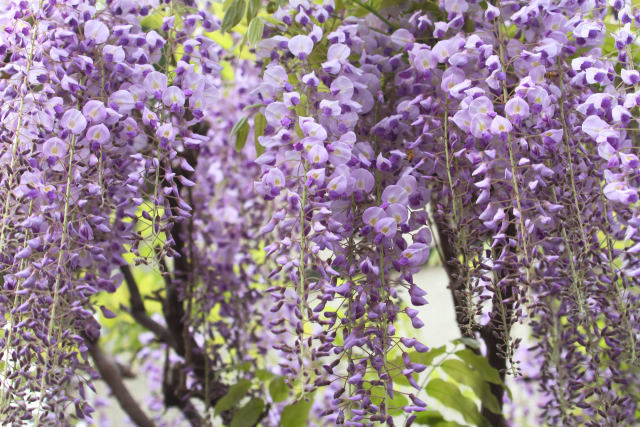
(284, 203)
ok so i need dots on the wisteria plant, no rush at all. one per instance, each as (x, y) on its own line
(237, 196)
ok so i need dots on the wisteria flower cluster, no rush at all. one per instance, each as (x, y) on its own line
(90, 124)
(499, 135)
(351, 210)
(515, 129)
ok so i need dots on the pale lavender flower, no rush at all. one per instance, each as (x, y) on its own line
(300, 46)
(96, 31)
(122, 101)
(98, 134)
(95, 111)
(74, 121)
(155, 83)
(517, 107)
(54, 147)
(173, 97)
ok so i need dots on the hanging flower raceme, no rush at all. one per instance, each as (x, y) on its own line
(77, 158)
(538, 137)
(502, 132)
(486, 121)
(348, 201)
(226, 220)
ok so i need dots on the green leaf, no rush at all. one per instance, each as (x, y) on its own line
(233, 396)
(459, 371)
(301, 108)
(233, 15)
(252, 106)
(480, 364)
(254, 32)
(449, 395)
(270, 19)
(379, 394)
(428, 357)
(263, 375)
(431, 7)
(241, 129)
(249, 414)
(238, 125)
(433, 418)
(469, 342)
(259, 125)
(153, 21)
(469, 25)
(416, 357)
(395, 405)
(278, 389)
(446, 424)
(296, 415)
(398, 377)
(271, 7)
(241, 139)
(241, 366)
(253, 9)
(227, 71)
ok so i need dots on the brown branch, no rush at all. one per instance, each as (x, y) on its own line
(451, 266)
(175, 393)
(191, 413)
(173, 308)
(489, 333)
(496, 359)
(139, 313)
(177, 289)
(110, 374)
